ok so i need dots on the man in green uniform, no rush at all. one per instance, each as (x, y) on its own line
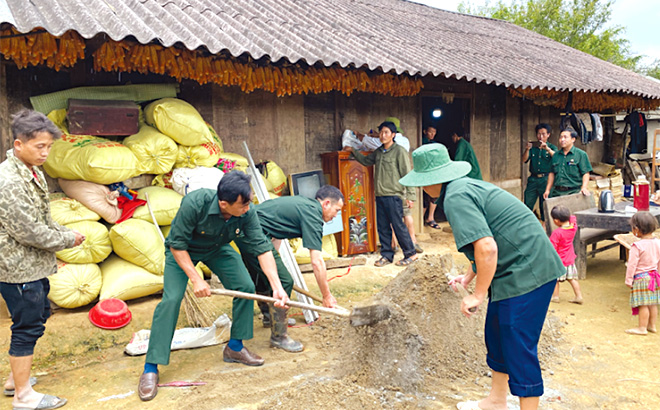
(464, 152)
(570, 168)
(540, 160)
(286, 218)
(205, 224)
(514, 264)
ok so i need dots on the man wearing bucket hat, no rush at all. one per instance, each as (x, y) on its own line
(514, 264)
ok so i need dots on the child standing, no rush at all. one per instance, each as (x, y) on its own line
(562, 240)
(642, 273)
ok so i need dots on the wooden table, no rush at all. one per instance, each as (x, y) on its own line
(613, 221)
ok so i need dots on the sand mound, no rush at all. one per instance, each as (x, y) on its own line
(417, 358)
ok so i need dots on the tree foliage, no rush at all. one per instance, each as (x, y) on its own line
(581, 24)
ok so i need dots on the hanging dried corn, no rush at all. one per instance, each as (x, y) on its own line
(39, 47)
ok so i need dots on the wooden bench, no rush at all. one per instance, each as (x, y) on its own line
(585, 236)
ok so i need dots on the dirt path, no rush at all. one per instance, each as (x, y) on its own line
(587, 358)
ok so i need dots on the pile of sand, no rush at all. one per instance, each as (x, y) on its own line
(424, 350)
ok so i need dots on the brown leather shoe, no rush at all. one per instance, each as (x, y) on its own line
(148, 387)
(244, 356)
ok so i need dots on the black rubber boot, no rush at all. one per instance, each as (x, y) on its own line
(279, 337)
(265, 313)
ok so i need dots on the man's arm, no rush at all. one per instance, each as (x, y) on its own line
(366, 160)
(268, 266)
(182, 258)
(585, 183)
(320, 273)
(404, 168)
(525, 156)
(485, 257)
(548, 187)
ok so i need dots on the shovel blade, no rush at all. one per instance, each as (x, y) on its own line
(369, 315)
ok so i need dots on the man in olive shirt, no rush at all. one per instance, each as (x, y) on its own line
(570, 168)
(205, 224)
(540, 161)
(391, 162)
(464, 152)
(286, 218)
(513, 261)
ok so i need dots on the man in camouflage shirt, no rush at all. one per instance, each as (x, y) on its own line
(29, 239)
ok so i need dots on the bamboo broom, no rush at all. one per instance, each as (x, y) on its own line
(198, 311)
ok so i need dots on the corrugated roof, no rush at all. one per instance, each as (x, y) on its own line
(390, 35)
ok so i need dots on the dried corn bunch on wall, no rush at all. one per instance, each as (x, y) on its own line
(585, 101)
(183, 63)
(39, 47)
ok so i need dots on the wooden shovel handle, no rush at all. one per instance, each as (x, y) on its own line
(307, 293)
(243, 295)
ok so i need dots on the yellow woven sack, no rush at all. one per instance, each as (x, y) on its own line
(178, 120)
(155, 152)
(75, 285)
(166, 230)
(328, 249)
(240, 160)
(138, 242)
(67, 210)
(94, 249)
(215, 137)
(164, 202)
(91, 159)
(276, 177)
(204, 155)
(124, 280)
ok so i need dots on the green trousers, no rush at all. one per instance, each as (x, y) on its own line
(226, 263)
(535, 189)
(555, 193)
(259, 277)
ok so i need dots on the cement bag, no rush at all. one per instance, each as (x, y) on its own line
(124, 280)
(204, 155)
(94, 249)
(138, 242)
(328, 249)
(178, 120)
(90, 158)
(240, 160)
(215, 137)
(75, 285)
(155, 152)
(274, 175)
(186, 180)
(68, 210)
(164, 202)
(96, 197)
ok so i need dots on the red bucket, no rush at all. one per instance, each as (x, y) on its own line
(641, 195)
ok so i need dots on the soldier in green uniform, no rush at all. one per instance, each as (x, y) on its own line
(202, 230)
(286, 218)
(464, 152)
(540, 160)
(570, 168)
(514, 264)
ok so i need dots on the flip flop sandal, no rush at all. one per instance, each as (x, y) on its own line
(382, 262)
(468, 405)
(405, 262)
(47, 402)
(11, 392)
(432, 224)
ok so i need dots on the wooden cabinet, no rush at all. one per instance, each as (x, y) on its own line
(359, 212)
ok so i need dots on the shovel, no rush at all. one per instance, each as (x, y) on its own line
(360, 316)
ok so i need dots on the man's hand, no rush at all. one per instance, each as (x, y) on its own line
(80, 238)
(546, 194)
(201, 289)
(529, 146)
(409, 203)
(348, 149)
(283, 298)
(461, 279)
(585, 192)
(544, 146)
(329, 301)
(470, 302)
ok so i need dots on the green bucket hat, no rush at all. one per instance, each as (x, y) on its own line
(396, 122)
(432, 165)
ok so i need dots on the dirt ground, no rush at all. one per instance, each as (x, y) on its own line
(426, 356)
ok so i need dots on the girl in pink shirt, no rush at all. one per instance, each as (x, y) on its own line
(642, 273)
(562, 240)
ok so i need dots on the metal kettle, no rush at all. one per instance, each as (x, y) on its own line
(606, 201)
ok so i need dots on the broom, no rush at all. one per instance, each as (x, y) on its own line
(198, 311)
